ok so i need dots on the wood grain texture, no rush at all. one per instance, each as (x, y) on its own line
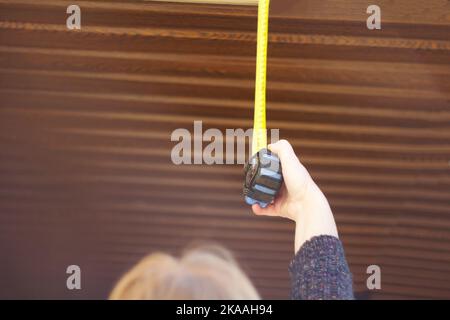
(86, 118)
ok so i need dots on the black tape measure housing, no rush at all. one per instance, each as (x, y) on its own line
(263, 178)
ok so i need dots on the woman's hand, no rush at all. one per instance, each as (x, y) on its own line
(300, 199)
(297, 181)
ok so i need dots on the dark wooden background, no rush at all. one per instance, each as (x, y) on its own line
(86, 118)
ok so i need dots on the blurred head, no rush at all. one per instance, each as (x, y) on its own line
(206, 272)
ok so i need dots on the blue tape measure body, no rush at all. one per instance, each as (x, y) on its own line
(263, 178)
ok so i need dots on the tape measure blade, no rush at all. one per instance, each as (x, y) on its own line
(259, 140)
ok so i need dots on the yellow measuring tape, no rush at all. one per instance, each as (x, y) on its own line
(259, 140)
(263, 176)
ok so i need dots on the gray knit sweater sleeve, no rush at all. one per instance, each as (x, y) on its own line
(319, 270)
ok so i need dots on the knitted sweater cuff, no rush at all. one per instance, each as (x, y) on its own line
(319, 270)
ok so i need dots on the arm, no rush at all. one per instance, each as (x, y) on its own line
(319, 269)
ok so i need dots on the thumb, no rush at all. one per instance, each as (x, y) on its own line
(295, 174)
(285, 152)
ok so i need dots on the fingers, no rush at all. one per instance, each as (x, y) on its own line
(267, 211)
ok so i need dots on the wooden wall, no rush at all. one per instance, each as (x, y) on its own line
(86, 118)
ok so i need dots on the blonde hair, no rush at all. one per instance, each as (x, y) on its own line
(205, 272)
